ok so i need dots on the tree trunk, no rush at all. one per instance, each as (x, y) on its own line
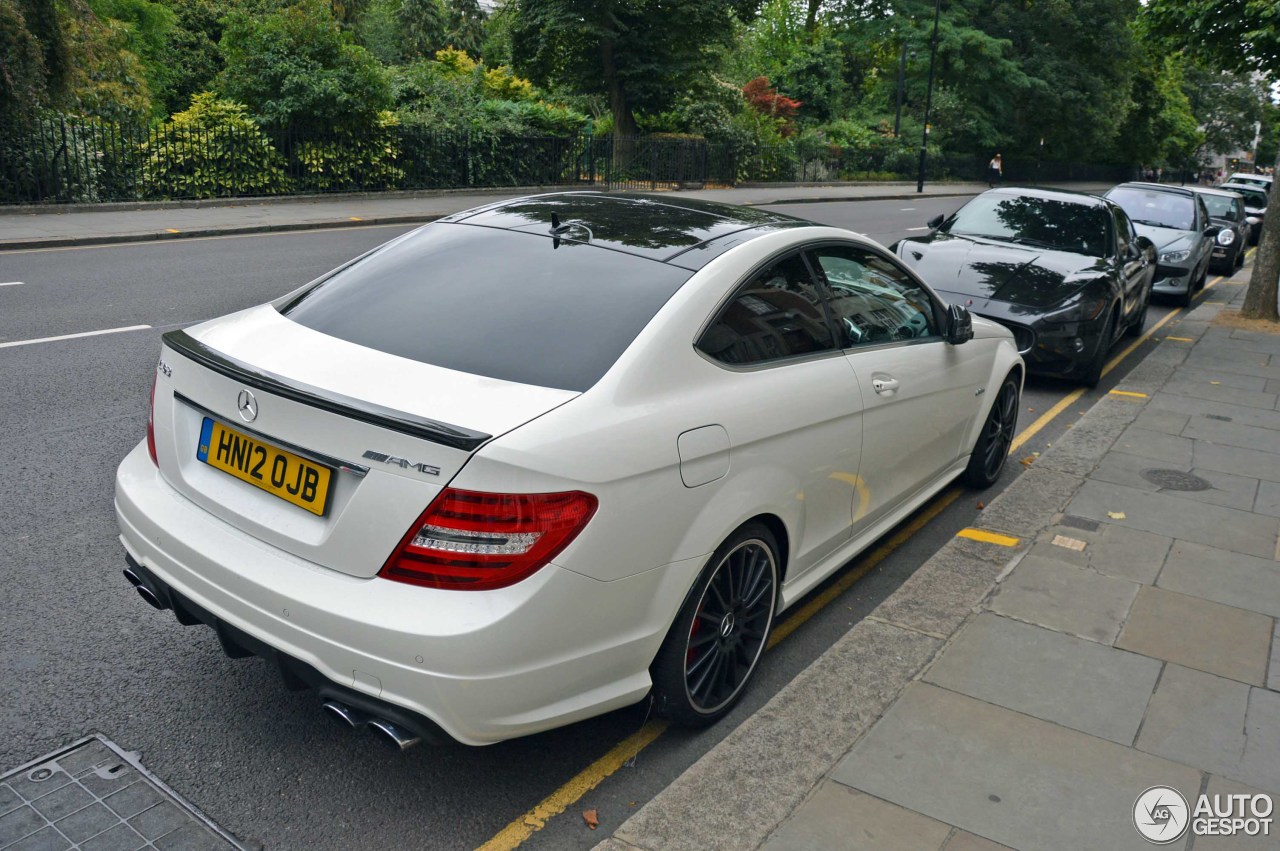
(811, 20)
(624, 120)
(1264, 283)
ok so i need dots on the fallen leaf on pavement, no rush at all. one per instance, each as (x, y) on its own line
(1116, 515)
(981, 505)
(592, 818)
(1028, 461)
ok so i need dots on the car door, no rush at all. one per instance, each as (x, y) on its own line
(792, 409)
(920, 394)
(1206, 242)
(1133, 263)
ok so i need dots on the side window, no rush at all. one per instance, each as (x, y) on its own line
(874, 301)
(1204, 213)
(1123, 232)
(776, 314)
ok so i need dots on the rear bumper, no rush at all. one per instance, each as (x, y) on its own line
(481, 666)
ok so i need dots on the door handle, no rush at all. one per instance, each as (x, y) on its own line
(884, 386)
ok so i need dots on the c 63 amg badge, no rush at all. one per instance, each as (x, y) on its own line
(402, 463)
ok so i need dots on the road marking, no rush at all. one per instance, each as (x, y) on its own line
(11, 284)
(172, 230)
(1128, 393)
(73, 336)
(1182, 339)
(589, 778)
(924, 228)
(988, 537)
(907, 209)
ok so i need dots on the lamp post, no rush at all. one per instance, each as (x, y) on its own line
(928, 98)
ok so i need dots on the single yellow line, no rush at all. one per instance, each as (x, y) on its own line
(1128, 393)
(988, 537)
(1182, 339)
(172, 230)
(865, 565)
(1045, 418)
(142, 242)
(589, 778)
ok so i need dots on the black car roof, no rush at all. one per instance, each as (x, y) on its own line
(681, 231)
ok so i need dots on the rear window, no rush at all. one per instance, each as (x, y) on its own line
(515, 306)
(1221, 206)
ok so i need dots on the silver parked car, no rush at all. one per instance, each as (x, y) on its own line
(1176, 220)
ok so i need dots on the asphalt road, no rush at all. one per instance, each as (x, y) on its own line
(80, 652)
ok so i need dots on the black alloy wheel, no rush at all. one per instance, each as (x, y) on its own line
(715, 644)
(992, 449)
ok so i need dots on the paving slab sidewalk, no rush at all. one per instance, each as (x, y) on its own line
(1024, 697)
(53, 226)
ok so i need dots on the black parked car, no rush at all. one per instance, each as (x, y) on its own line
(1226, 210)
(1255, 206)
(1066, 272)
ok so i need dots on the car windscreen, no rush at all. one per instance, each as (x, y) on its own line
(515, 306)
(1156, 208)
(1220, 206)
(1034, 221)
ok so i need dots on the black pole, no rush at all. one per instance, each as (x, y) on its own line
(902, 79)
(928, 98)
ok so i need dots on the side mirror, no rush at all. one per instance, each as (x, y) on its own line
(959, 325)
(1143, 244)
(1212, 231)
(936, 221)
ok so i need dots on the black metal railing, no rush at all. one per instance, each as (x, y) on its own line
(60, 159)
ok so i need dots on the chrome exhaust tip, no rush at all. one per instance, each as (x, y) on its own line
(144, 591)
(351, 719)
(393, 735)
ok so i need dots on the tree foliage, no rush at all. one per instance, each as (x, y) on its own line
(297, 67)
(638, 53)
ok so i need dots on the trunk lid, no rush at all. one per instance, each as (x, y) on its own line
(391, 431)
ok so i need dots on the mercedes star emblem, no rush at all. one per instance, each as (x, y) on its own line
(247, 405)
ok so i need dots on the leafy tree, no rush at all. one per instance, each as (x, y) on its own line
(144, 28)
(639, 53)
(1160, 129)
(424, 27)
(1243, 36)
(297, 67)
(192, 49)
(1227, 106)
(24, 83)
(464, 25)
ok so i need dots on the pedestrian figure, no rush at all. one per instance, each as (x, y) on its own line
(995, 170)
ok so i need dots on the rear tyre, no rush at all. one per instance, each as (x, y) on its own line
(713, 648)
(1091, 374)
(992, 448)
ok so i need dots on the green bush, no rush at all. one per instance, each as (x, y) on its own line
(212, 149)
(350, 161)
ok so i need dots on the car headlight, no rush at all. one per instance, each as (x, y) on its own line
(1226, 237)
(1175, 256)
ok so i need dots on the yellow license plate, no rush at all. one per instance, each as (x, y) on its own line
(262, 465)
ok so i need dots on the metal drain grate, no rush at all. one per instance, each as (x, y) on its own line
(1176, 480)
(94, 795)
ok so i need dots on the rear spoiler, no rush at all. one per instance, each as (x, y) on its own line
(427, 429)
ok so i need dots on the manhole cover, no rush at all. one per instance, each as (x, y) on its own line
(1175, 480)
(93, 794)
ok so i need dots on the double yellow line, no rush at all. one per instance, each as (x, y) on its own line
(593, 775)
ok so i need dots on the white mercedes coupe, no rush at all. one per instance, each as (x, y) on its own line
(537, 460)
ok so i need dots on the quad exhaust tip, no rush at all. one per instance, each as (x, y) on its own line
(144, 591)
(388, 732)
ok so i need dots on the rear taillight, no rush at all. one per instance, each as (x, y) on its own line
(151, 424)
(472, 541)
